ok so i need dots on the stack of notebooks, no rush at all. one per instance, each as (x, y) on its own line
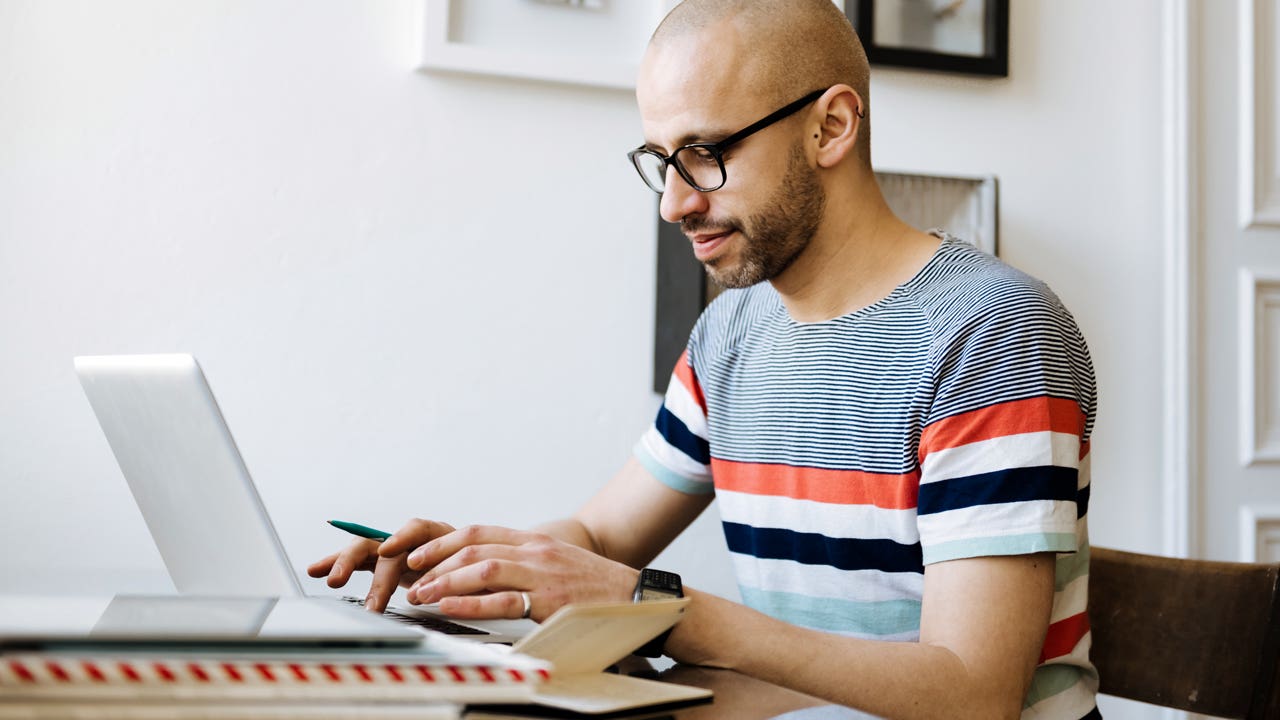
(176, 672)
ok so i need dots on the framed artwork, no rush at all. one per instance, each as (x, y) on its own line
(582, 42)
(961, 36)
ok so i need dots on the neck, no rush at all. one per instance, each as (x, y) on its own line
(861, 252)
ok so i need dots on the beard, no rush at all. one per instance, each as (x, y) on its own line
(774, 237)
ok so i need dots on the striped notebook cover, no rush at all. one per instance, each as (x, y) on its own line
(40, 675)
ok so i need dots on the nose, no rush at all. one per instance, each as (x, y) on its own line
(679, 199)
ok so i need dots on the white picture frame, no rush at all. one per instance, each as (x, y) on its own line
(596, 43)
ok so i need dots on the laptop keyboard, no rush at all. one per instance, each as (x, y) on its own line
(425, 621)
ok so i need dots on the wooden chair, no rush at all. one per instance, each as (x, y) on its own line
(1189, 634)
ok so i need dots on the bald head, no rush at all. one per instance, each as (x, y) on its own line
(777, 50)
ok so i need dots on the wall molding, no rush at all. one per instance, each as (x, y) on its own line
(1180, 250)
(1259, 304)
(1259, 122)
(1260, 533)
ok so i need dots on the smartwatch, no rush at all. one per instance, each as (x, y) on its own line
(656, 585)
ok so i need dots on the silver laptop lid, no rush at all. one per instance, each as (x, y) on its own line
(186, 475)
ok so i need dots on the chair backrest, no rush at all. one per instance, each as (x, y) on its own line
(1189, 634)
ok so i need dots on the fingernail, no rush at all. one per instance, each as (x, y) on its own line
(415, 557)
(371, 604)
(336, 569)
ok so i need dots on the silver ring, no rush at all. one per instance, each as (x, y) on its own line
(528, 605)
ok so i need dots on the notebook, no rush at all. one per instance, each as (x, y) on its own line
(190, 482)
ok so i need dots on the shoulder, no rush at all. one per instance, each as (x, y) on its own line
(964, 289)
(731, 317)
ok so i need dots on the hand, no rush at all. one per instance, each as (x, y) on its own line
(481, 571)
(386, 560)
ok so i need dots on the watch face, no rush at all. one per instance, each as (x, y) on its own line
(655, 594)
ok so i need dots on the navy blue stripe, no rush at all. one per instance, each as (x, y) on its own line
(817, 549)
(1047, 482)
(1082, 501)
(678, 434)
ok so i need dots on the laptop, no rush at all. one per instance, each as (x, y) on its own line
(195, 492)
(169, 620)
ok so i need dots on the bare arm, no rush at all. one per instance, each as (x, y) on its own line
(983, 622)
(631, 519)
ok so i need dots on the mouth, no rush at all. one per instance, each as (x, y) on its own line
(706, 244)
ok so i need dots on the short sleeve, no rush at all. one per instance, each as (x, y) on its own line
(675, 448)
(1003, 454)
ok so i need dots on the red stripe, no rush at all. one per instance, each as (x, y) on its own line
(265, 672)
(425, 672)
(544, 674)
(484, 673)
(198, 672)
(299, 672)
(129, 672)
(515, 674)
(363, 672)
(93, 671)
(232, 672)
(841, 487)
(1038, 414)
(331, 672)
(57, 671)
(1064, 635)
(456, 673)
(21, 671)
(684, 373)
(394, 672)
(164, 672)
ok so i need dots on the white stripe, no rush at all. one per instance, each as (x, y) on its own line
(809, 516)
(1071, 703)
(998, 520)
(825, 581)
(1073, 599)
(672, 458)
(681, 403)
(1011, 451)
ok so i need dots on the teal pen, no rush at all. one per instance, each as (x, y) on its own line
(360, 530)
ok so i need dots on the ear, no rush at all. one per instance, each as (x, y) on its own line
(840, 113)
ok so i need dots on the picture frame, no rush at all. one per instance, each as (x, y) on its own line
(959, 36)
(596, 43)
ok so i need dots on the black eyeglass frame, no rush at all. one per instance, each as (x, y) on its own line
(716, 149)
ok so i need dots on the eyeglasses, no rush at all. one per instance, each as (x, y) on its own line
(702, 164)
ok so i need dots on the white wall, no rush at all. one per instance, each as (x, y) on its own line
(411, 291)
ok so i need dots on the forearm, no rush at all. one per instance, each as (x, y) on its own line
(572, 531)
(892, 680)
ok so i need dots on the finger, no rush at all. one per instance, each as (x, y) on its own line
(359, 555)
(321, 567)
(508, 604)
(414, 533)
(469, 555)
(386, 577)
(484, 576)
(440, 548)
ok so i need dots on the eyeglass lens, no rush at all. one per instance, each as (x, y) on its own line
(699, 166)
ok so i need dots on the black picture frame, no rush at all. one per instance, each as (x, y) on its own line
(993, 62)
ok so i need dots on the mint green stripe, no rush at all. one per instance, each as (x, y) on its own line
(672, 480)
(1070, 567)
(888, 617)
(1051, 680)
(1006, 545)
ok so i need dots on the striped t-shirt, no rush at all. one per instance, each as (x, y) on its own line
(949, 420)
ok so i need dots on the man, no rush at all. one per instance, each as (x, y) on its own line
(895, 424)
